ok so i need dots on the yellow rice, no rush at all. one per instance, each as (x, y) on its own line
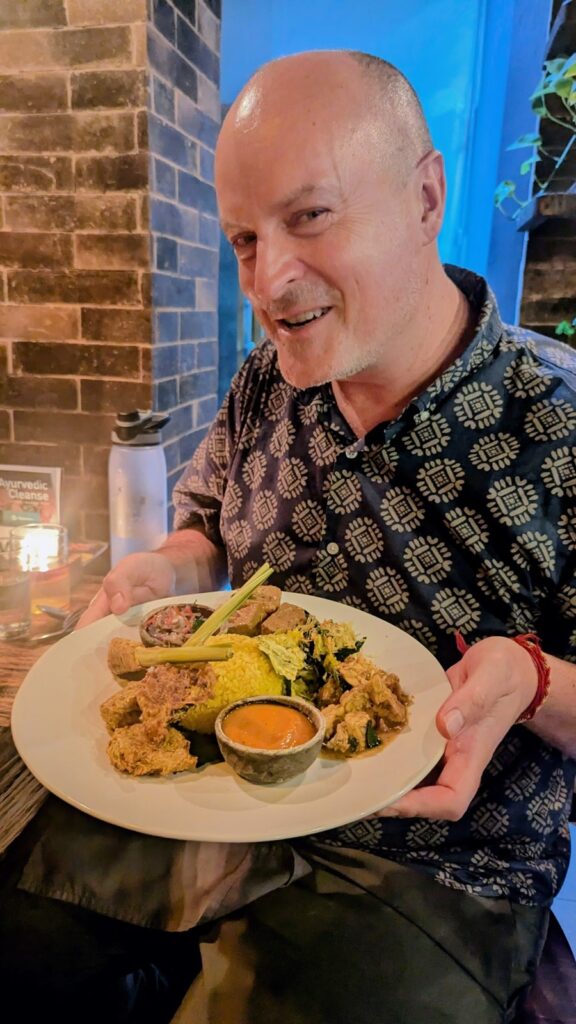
(248, 673)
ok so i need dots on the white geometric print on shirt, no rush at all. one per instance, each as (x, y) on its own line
(533, 547)
(428, 559)
(254, 468)
(364, 540)
(454, 608)
(495, 579)
(279, 549)
(550, 420)
(558, 472)
(402, 510)
(292, 477)
(494, 451)
(429, 437)
(343, 492)
(309, 520)
(512, 500)
(478, 405)
(468, 528)
(282, 438)
(379, 464)
(567, 528)
(387, 590)
(441, 480)
(526, 380)
(322, 448)
(264, 509)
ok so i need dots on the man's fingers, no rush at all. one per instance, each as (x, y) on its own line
(96, 609)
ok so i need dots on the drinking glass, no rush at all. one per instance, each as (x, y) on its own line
(14, 598)
(41, 550)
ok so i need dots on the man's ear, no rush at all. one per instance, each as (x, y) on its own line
(432, 185)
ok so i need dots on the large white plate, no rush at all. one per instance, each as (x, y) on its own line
(60, 735)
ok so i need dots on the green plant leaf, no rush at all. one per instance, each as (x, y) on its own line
(551, 67)
(504, 190)
(565, 329)
(527, 164)
(569, 69)
(531, 139)
(563, 87)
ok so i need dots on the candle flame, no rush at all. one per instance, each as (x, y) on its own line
(38, 550)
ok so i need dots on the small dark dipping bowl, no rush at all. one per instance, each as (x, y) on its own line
(266, 767)
(171, 625)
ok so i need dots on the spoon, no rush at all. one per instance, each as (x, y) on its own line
(67, 626)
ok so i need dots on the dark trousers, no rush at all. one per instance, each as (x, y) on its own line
(358, 941)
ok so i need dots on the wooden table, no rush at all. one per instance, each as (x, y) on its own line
(20, 793)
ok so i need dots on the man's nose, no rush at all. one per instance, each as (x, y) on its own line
(277, 266)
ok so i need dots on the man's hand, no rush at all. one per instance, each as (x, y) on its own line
(493, 684)
(135, 579)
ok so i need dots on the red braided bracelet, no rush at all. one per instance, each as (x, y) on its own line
(531, 643)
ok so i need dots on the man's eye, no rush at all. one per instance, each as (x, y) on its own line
(242, 242)
(311, 215)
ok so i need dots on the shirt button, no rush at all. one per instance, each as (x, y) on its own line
(332, 548)
(351, 453)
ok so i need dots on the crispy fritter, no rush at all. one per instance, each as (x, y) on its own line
(122, 708)
(122, 660)
(169, 688)
(130, 750)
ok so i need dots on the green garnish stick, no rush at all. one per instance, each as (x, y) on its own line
(218, 618)
(148, 656)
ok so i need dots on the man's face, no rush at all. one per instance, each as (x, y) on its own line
(326, 238)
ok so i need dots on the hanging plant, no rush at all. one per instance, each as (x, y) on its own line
(554, 100)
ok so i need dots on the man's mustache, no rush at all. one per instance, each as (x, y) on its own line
(300, 298)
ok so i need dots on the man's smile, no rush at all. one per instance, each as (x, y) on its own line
(297, 321)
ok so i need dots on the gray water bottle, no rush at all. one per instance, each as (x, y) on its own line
(137, 484)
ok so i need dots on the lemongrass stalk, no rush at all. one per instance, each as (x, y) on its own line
(218, 618)
(147, 656)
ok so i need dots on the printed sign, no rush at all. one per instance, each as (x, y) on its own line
(28, 494)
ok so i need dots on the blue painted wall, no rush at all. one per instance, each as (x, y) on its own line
(456, 53)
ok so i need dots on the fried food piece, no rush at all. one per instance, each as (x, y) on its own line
(130, 750)
(350, 735)
(167, 689)
(329, 693)
(358, 700)
(333, 714)
(122, 660)
(389, 700)
(122, 709)
(248, 618)
(288, 617)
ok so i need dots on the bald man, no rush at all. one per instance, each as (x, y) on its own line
(394, 446)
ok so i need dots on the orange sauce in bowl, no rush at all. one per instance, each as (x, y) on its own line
(268, 726)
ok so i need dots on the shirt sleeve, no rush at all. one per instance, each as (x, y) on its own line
(199, 493)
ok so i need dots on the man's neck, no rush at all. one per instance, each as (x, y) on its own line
(382, 394)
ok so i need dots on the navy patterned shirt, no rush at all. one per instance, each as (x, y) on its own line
(459, 514)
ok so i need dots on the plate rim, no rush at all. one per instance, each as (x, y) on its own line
(179, 832)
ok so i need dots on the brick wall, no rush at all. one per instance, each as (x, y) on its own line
(108, 243)
(183, 47)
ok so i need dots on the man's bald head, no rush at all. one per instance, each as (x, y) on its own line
(344, 85)
(331, 195)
